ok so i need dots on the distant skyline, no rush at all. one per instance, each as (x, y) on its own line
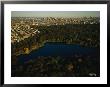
(55, 13)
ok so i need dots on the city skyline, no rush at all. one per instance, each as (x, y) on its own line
(64, 14)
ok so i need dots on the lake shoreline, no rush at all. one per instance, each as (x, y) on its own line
(36, 47)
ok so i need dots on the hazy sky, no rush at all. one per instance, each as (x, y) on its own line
(55, 13)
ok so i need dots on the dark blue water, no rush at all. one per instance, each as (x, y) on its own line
(59, 49)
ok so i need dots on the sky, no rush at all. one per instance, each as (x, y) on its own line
(55, 13)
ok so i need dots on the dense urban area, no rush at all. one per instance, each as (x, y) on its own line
(31, 33)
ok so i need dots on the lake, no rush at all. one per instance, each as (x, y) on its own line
(59, 49)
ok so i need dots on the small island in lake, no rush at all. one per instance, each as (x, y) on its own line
(55, 46)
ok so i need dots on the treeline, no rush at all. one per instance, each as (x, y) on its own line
(84, 35)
